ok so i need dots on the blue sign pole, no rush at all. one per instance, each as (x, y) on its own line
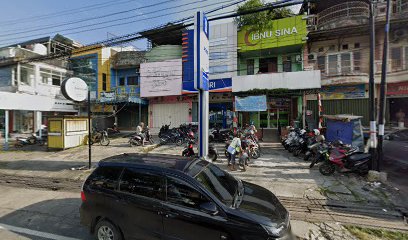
(201, 71)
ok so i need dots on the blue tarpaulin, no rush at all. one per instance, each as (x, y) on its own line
(250, 104)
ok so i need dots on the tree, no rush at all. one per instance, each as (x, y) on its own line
(260, 20)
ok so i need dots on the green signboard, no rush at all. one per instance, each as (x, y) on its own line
(283, 32)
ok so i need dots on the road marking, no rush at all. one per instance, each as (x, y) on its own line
(34, 233)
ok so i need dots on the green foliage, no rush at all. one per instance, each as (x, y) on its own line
(260, 20)
(374, 234)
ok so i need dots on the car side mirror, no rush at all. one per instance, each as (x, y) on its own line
(210, 208)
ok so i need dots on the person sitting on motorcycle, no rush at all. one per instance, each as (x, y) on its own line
(234, 149)
(140, 131)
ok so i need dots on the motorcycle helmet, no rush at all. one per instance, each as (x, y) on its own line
(191, 134)
(303, 131)
(316, 132)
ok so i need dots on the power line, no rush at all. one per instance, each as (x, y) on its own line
(65, 12)
(120, 24)
(83, 20)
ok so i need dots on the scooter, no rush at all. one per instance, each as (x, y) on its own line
(137, 140)
(31, 140)
(189, 151)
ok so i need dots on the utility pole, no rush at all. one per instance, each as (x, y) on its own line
(371, 87)
(89, 130)
(381, 117)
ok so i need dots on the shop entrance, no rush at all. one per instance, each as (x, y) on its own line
(221, 115)
(397, 105)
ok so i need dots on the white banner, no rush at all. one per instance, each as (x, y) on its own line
(161, 78)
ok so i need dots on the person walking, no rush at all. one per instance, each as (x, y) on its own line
(234, 149)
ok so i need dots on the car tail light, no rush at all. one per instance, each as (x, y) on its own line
(83, 198)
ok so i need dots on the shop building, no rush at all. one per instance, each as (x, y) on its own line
(94, 67)
(338, 46)
(30, 92)
(271, 67)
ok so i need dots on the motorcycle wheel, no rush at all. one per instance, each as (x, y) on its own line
(18, 145)
(307, 156)
(163, 140)
(212, 155)
(291, 149)
(296, 152)
(327, 169)
(314, 161)
(151, 141)
(179, 142)
(255, 154)
(104, 141)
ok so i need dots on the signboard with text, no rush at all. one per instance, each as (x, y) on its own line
(281, 32)
(250, 104)
(161, 78)
(201, 52)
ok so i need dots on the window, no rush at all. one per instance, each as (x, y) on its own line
(103, 81)
(357, 61)
(26, 74)
(250, 67)
(356, 45)
(140, 183)
(219, 69)
(396, 58)
(345, 63)
(56, 80)
(133, 80)
(218, 182)
(181, 193)
(45, 75)
(332, 61)
(121, 81)
(345, 46)
(287, 64)
(321, 49)
(332, 48)
(105, 177)
(321, 63)
(267, 65)
(218, 55)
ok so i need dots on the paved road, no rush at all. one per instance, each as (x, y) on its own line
(39, 215)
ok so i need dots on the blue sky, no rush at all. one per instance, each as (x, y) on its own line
(27, 19)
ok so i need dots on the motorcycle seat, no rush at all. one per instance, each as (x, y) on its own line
(359, 157)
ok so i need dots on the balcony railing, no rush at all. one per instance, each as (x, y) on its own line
(344, 14)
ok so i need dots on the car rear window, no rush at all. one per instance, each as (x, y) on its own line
(104, 178)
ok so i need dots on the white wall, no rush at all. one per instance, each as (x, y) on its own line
(223, 40)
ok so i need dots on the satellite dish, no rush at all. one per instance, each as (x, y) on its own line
(74, 89)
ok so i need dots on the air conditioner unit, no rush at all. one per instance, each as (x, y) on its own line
(312, 57)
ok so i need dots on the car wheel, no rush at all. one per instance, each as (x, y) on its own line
(105, 230)
(179, 142)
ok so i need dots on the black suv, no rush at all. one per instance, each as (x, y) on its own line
(134, 196)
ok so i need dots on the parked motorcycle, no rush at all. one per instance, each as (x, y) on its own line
(219, 135)
(346, 159)
(164, 129)
(100, 136)
(31, 140)
(189, 151)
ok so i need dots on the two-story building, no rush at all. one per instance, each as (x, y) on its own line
(338, 46)
(271, 67)
(30, 91)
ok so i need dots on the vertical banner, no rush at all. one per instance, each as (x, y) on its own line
(201, 52)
